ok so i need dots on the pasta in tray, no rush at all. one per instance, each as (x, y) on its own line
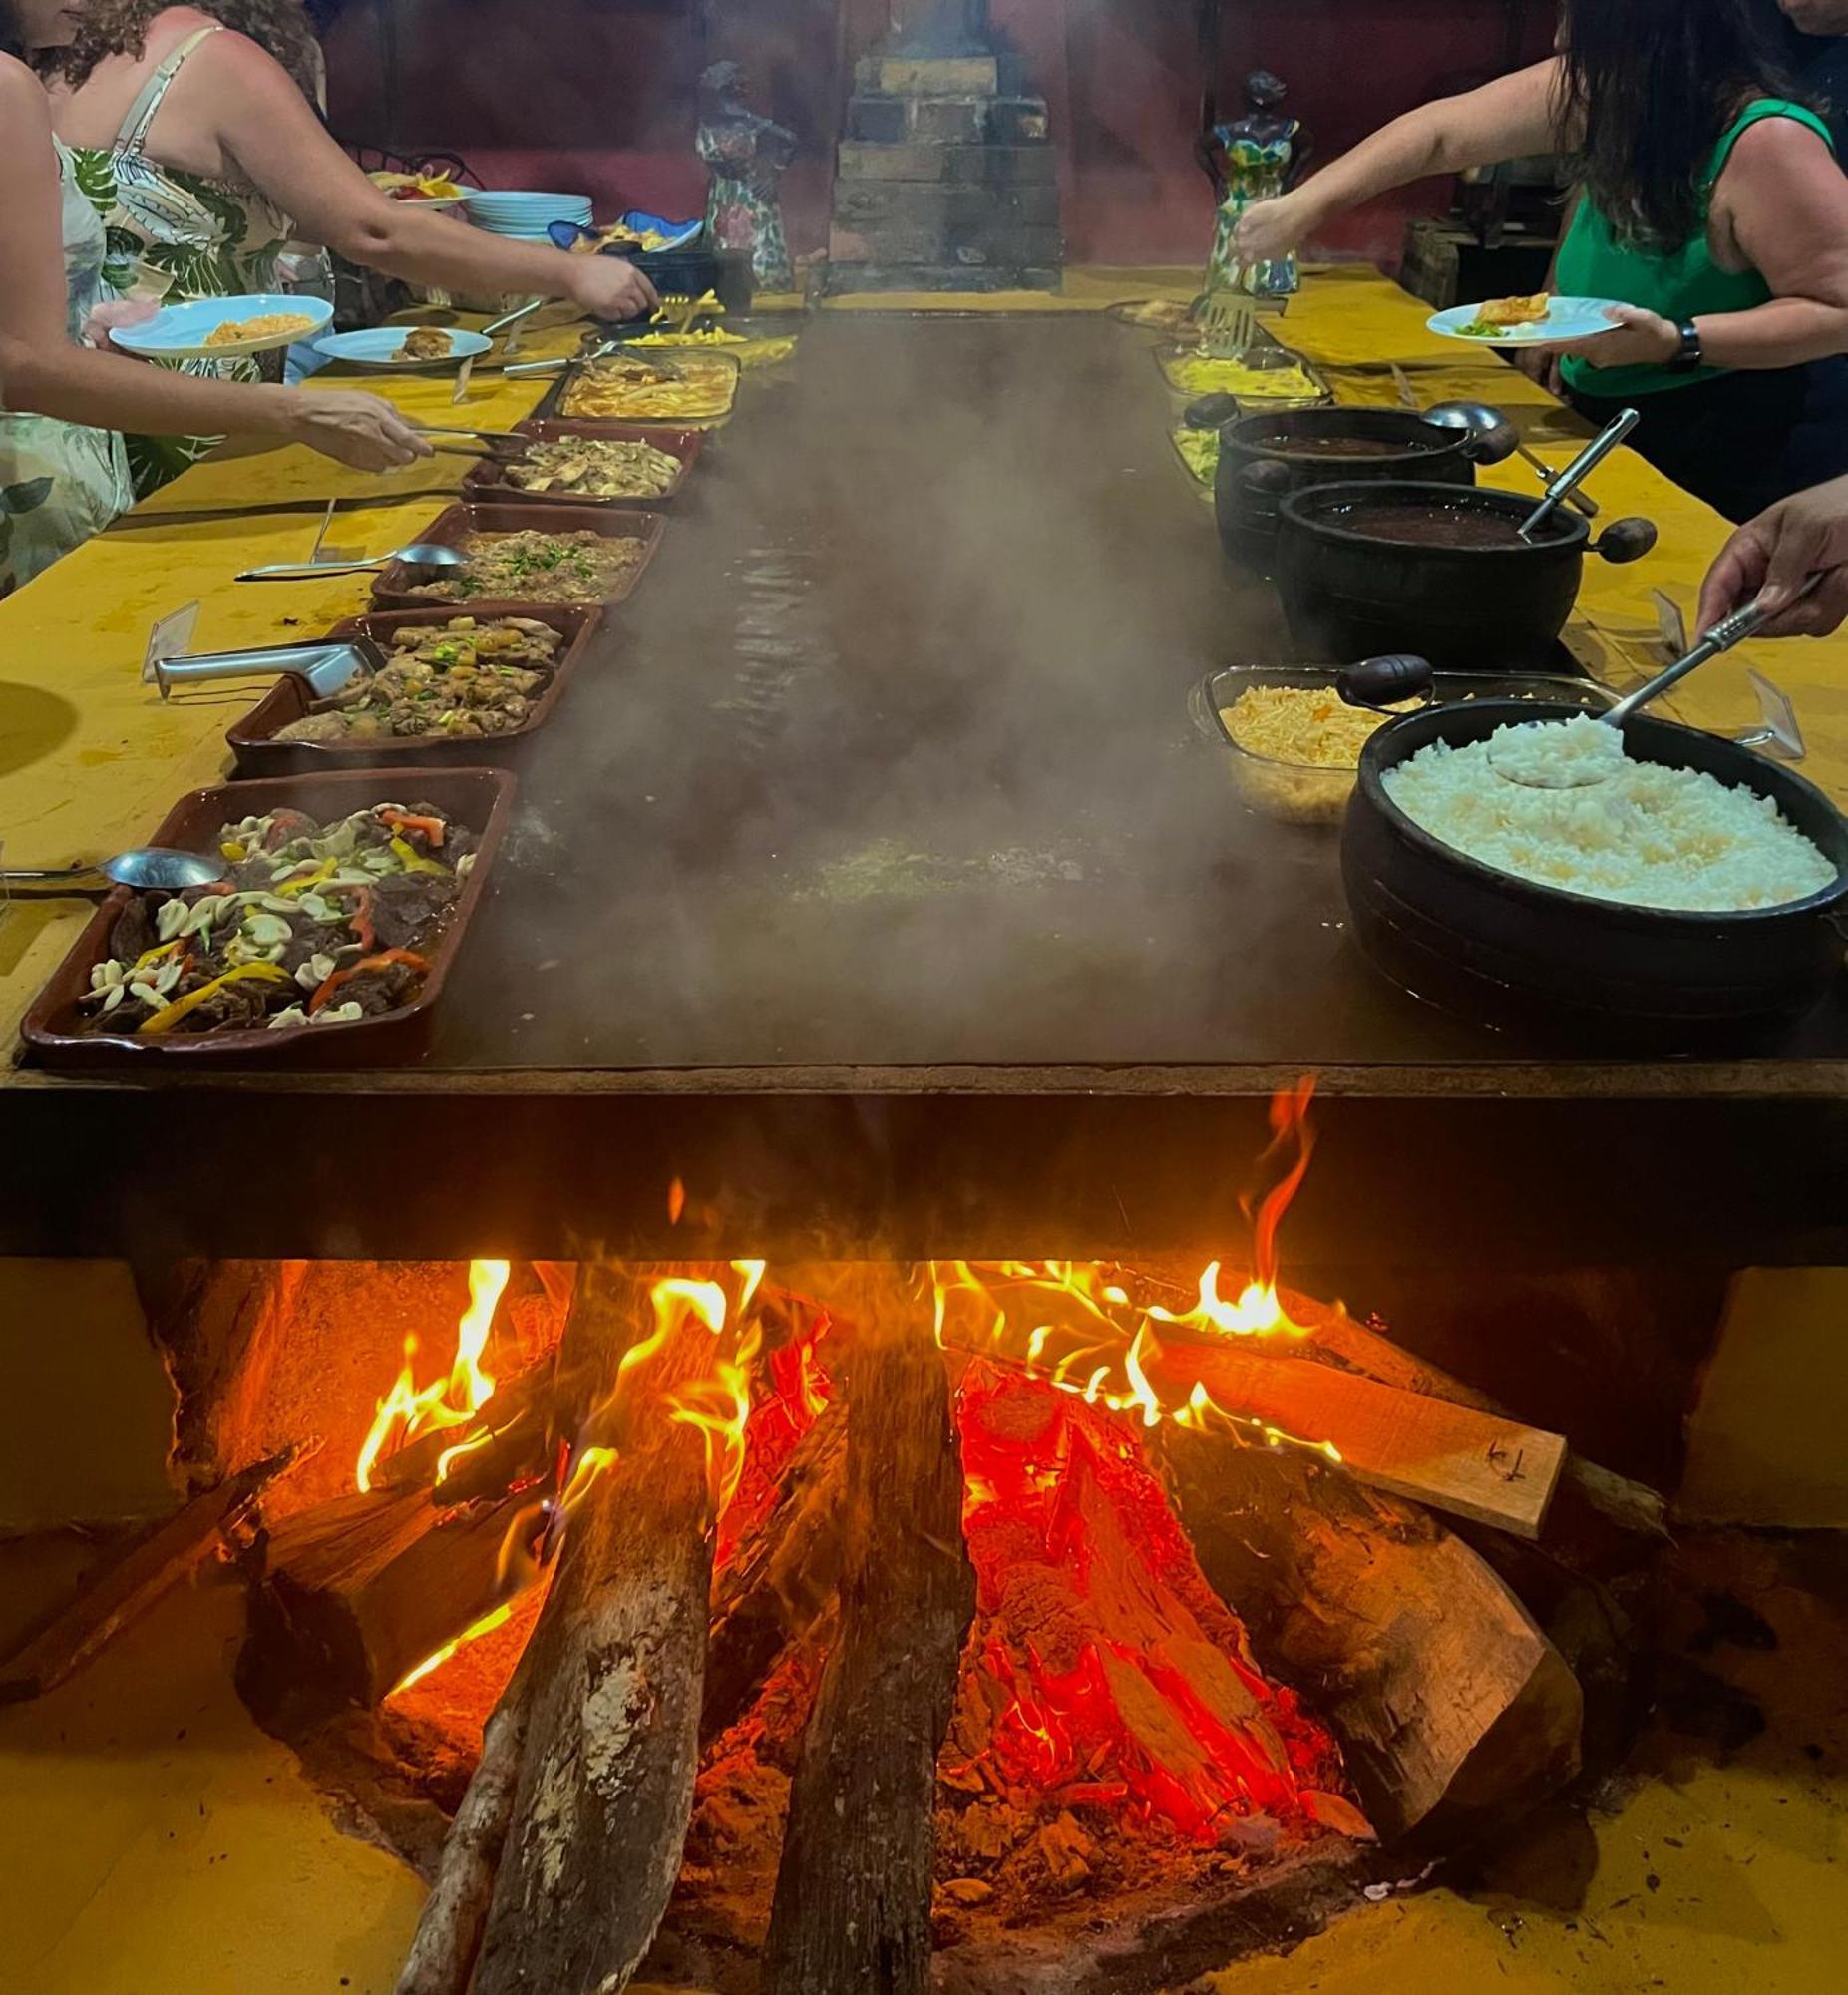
(689, 388)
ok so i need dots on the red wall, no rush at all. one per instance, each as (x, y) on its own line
(599, 93)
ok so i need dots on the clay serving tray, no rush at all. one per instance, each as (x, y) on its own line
(481, 799)
(253, 740)
(452, 528)
(488, 480)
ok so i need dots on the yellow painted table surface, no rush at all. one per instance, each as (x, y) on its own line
(91, 758)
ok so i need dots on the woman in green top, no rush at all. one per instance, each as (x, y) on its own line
(1713, 206)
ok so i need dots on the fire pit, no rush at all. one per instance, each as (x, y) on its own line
(985, 1625)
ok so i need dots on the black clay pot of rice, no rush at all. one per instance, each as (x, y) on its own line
(1366, 568)
(1505, 951)
(1263, 457)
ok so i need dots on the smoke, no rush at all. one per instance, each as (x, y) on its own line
(888, 762)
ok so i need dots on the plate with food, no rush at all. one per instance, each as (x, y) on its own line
(677, 389)
(455, 688)
(523, 555)
(225, 328)
(425, 189)
(409, 347)
(588, 464)
(1539, 320)
(344, 900)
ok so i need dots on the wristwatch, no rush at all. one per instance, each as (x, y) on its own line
(1690, 353)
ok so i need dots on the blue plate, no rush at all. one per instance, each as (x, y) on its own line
(383, 346)
(568, 235)
(180, 332)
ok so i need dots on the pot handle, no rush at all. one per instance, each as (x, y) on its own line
(1625, 540)
(1267, 477)
(1386, 684)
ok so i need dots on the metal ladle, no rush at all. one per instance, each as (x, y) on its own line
(418, 555)
(157, 867)
(1501, 438)
(1724, 636)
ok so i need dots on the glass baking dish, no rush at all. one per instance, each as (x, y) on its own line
(1306, 793)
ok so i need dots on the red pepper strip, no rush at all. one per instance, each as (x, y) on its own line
(407, 957)
(432, 828)
(360, 919)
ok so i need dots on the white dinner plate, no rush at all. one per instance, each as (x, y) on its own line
(1567, 319)
(383, 346)
(180, 332)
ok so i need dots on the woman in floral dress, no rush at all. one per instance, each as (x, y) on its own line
(193, 134)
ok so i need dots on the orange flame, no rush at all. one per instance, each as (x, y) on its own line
(409, 1409)
(1070, 1322)
(496, 1618)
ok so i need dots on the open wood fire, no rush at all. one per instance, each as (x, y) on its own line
(979, 1626)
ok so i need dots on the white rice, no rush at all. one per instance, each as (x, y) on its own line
(1650, 836)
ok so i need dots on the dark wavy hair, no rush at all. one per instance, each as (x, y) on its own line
(1654, 84)
(120, 27)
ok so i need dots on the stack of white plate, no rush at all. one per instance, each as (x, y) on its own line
(526, 216)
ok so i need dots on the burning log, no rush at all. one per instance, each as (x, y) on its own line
(1449, 1701)
(359, 1591)
(118, 1596)
(506, 1441)
(852, 1908)
(449, 1930)
(605, 1785)
(781, 1578)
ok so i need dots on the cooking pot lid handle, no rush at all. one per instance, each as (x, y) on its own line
(1384, 683)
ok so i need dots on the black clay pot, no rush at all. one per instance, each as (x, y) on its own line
(1263, 457)
(1349, 594)
(1511, 952)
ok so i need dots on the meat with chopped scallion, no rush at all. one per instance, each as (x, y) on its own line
(531, 567)
(444, 681)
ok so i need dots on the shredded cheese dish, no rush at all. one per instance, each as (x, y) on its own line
(1314, 730)
(273, 325)
(1199, 451)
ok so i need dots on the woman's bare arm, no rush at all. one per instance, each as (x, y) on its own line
(265, 124)
(43, 373)
(1504, 120)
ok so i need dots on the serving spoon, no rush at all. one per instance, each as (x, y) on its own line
(420, 553)
(1508, 762)
(1580, 469)
(1502, 440)
(156, 867)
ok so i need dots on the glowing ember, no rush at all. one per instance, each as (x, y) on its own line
(1105, 1670)
(409, 1409)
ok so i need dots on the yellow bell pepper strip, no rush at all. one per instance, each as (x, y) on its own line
(299, 883)
(411, 860)
(408, 957)
(164, 1021)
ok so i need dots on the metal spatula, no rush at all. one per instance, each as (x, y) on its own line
(1228, 323)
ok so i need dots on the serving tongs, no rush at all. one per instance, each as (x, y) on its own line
(605, 349)
(1580, 469)
(324, 668)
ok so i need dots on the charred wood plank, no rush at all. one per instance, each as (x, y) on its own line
(160, 1559)
(1452, 1707)
(1479, 1466)
(852, 1909)
(605, 1788)
(357, 1592)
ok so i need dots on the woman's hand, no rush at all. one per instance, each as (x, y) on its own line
(611, 288)
(1638, 340)
(112, 315)
(364, 431)
(1771, 558)
(1270, 229)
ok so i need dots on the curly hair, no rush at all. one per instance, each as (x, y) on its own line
(120, 27)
